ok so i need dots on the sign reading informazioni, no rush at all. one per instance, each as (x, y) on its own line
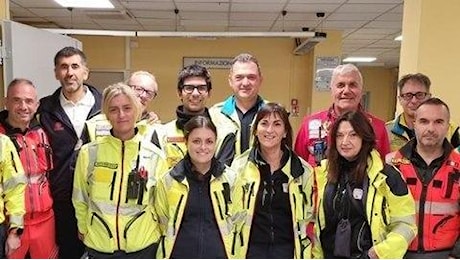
(209, 63)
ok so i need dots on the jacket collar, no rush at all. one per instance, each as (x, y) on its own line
(184, 166)
(229, 106)
(291, 163)
(183, 117)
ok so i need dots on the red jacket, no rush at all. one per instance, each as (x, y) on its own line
(309, 133)
(437, 200)
(35, 154)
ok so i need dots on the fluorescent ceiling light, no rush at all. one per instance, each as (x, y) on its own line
(92, 32)
(359, 59)
(398, 38)
(85, 3)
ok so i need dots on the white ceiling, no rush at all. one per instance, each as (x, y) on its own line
(369, 26)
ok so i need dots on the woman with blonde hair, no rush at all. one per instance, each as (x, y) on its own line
(114, 181)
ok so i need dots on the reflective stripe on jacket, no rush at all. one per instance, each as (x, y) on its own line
(437, 203)
(391, 216)
(300, 188)
(170, 202)
(111, 215)
(36, 157)
(13, 183)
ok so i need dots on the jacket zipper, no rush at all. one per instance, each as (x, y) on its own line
(218, 205)
(441, 223)
(176, 213)
(128, 225)
(114, 177)
(102, 222)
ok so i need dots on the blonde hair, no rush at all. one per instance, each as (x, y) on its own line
(120, 88)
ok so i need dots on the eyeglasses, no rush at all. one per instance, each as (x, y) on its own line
(417, 95)
(150, 94)
(190, 88)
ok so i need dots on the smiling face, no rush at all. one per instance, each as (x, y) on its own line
(122, 115)
(194, 102)
(346, 91)
(411, 105)
(201, 146)
(21, 103)
(348, 142)
(245, 80)
(71, 73)
(270, 131)
(145, 86)
(431, 125)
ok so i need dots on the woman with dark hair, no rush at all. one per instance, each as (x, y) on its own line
(365, 209)
(273, 192)
(193, 199)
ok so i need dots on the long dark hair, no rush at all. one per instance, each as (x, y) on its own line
(363, 128)
(274, 108)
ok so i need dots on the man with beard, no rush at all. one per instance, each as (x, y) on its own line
(431, 168)
(63, 115)
(194, 89)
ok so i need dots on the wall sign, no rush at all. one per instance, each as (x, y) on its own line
(323, 74)
(209, 63)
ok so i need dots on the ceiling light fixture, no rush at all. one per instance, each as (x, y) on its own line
(359, 59)
(398, 38)
(85, 3)
(91, 32)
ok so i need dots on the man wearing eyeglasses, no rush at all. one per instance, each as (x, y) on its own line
(194, 89)
(414, 89)
(146, 88)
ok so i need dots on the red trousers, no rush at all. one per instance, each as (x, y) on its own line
(38, 239)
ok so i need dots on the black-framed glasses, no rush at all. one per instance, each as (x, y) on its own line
(418, 95)
(189, 88)
(150, 94)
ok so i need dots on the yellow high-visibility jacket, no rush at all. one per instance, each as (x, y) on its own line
(13, 184)
(172, 193)
(391, 216)
(107, 217)
(300, 188)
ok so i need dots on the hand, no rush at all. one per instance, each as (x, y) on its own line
(152, 117)
(13, 242)
(372, 254)
(81, 236)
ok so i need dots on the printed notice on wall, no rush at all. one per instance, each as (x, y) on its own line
(324, 68)
(209, 63)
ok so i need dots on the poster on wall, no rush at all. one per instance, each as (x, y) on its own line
(208, 62)
(323, 73)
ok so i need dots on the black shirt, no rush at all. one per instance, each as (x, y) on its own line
(246, 122)
(272, 221)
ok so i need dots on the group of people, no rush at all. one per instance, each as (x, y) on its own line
(85, 173)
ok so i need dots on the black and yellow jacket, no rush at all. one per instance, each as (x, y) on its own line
(300, 189)
(172, 199)
(113, 193)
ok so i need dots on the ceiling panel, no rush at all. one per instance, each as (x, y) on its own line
(369, 25)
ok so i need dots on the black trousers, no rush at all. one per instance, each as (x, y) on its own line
(146, 253)
(2, 240)
(70, 246)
